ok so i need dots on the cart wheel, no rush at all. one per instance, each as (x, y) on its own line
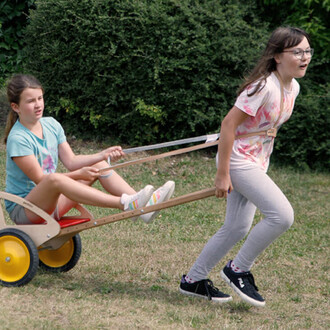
(18, 257)
(63, 258)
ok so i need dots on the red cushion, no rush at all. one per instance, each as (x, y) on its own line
(68, 222)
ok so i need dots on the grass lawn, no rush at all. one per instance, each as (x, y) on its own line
(128, 273)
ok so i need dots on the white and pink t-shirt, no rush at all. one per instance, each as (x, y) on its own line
(264, 109)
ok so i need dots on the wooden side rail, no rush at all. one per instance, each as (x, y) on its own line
(129, 214)
(51, 235)
(39, 233)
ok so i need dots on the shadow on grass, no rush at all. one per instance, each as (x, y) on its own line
(129, 289)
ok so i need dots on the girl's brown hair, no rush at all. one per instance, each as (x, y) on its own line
(15, 87)
(281, 38)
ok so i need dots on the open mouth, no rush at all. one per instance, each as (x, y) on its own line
(303, 66)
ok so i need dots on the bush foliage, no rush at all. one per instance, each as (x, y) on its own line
(13, 20)
(303, 142)
(311, 15)
(151, 70)
(142, 71)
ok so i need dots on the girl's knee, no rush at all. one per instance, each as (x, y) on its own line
(236, 233)
(286, 217)
(241, 232)
(53, 180)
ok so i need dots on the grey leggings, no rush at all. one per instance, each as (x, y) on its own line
(253, 189)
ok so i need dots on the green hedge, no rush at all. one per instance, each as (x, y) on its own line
(303, 142)
(150, 71)
(142, 71)
(13, 20)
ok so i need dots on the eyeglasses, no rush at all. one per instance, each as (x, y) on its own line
(299, 53)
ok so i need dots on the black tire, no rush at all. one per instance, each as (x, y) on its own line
(62, 259)
(19, 258)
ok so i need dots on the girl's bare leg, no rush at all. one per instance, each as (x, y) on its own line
(114, 183)
(64, 204)
(47, 198)
(46, 195)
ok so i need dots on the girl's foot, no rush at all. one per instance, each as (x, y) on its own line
(140, 199)
(203, 289)
(243, 284)
(162, 194)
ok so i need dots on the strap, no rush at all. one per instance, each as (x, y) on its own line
(163, 155)
(207, 138)
(272, 131)
(269, 132)
(282, 97)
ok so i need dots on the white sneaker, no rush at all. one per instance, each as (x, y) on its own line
(162, 194)
(140, 199)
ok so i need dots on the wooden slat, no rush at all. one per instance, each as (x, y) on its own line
(129, 214)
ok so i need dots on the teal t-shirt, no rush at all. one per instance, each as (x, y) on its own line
(22, 142)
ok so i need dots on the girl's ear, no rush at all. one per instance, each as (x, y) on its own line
(277, 58)
(14, 106)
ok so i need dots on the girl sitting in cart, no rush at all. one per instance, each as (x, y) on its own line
(35, 143)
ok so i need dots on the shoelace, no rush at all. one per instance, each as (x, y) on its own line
(250, 278)
(210, 288)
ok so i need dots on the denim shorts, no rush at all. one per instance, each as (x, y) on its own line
(18, 215)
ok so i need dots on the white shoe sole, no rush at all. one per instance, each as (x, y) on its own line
(242, 295)
(170, 185)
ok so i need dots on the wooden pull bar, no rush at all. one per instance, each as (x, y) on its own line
(129, 214)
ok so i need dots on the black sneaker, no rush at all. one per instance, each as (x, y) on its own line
(243, 284)
(203, 289)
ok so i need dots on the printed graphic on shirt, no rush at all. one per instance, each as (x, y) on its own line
(48, 165)
(264, 110)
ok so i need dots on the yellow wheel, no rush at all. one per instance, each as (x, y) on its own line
(18, 257)
(63, 258)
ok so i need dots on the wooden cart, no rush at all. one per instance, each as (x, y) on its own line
(56, 245)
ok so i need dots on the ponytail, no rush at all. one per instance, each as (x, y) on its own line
(15, 87)
(11, 120)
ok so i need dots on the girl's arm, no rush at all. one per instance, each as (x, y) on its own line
(233, 119)
(73, 162)
(31, 168)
